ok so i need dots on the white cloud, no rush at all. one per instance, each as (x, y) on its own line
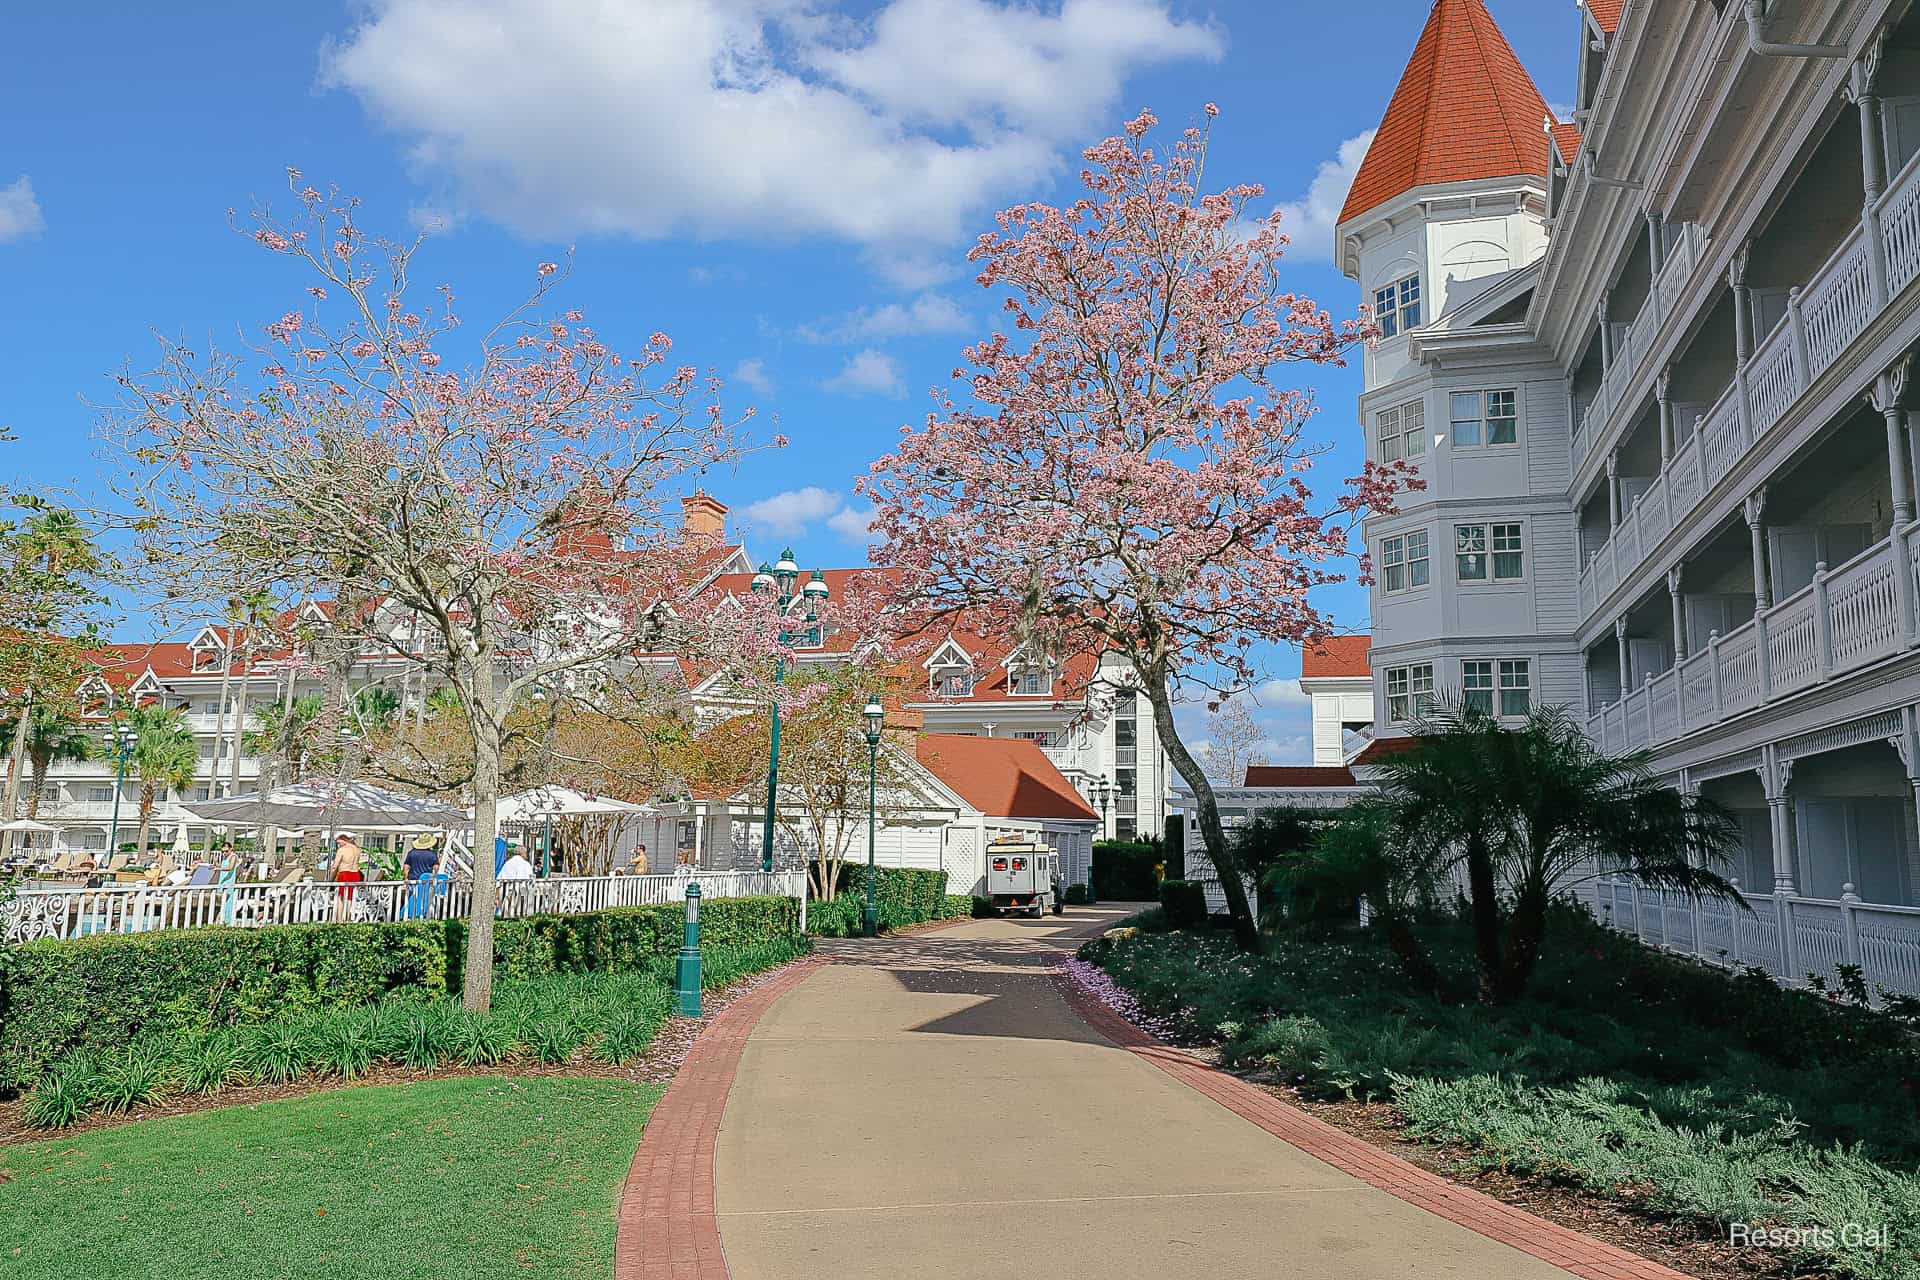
(868, 373)
(853, 525)
(435, 219)
(20, 214)
(787, 515)
(1309, 221)
(756, 118)
(753, 373)
(930, 313)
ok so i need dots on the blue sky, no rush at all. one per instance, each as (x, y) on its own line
(785, 186)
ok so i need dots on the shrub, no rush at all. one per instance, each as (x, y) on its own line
(1076, 895)
(1126, 870)
(1185, 903)
(106, 990)
(136, 1074)
(902, 896)
(209, 1061)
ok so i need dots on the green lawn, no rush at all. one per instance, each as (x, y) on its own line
(459, 1178)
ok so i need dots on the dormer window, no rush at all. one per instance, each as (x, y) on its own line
(950, 672)
(1032, 682)
(1396, 308)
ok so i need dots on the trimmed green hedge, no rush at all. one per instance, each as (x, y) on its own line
(102, 991)
(903, 895)
(1185, 902)
(1126, 870)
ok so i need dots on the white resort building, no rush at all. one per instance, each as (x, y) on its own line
(1075, 754)
(1655, 366)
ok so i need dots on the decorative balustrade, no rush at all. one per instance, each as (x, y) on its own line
(1822, 321)
(1843, 620)
(1636, 339)
(72, 912)
(1787, 935)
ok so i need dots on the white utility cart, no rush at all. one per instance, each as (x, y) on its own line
(1022, 876)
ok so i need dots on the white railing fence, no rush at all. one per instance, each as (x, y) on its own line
(73, 912)
(1846, 618)
(1872, 264)
(1787, 935)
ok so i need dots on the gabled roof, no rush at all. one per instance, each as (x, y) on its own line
(1262, 775)
(1001, 777)
(1566, 141)
(1465, 109)
(1380, 748)
(1336, 656)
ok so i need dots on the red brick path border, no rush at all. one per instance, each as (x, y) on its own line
(1550, 1242)
(666, 1226)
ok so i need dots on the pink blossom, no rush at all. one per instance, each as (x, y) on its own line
(548, 268)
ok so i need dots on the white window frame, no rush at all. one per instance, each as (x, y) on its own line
(1017, 676)
(1520, 672)
(1476, 683)
(1404, 558)
(1495, 539)
(1415, 696)
(1496, 405)
(1402, 431)
(1396, 306)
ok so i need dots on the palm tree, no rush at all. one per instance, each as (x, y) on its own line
(165, 758)
(255, 607)
(284, 732)
(1530, 811)
(53, 736)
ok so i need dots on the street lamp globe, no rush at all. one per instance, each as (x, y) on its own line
(787, 567)
(875, 717)
(816, 588)
(763, 580)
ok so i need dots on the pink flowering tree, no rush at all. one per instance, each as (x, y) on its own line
(1128, 476)
(493, 509)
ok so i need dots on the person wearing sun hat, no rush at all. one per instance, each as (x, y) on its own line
(423, 857)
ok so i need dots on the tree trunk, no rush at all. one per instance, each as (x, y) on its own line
(13, 769)
(240, 722)
(272, 763)
(37, 783)
(1486, 918)
(481, 701)
(1526, 930)
(147, 797)
(1245, 930)
(220, 722)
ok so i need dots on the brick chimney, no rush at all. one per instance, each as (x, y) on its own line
(703, 516)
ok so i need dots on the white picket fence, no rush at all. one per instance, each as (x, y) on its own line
(1787, 935)
(73, 912)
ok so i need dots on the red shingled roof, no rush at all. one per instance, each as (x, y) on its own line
(1606, 13)
(1336, 656)
(1465, 109)
(1264, 775)
(1380, 748)
(1001, 777)
(1566, 140)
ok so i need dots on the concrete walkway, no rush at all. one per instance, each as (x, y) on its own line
(932, 1108)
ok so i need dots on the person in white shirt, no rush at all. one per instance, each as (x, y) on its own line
(516, 867)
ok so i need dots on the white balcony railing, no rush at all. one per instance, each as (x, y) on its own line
(1844, 619)
(72, 912)
(1635, 344)
(1787, 935)
(1822, 321)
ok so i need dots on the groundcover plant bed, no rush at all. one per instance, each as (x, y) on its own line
(475, 1176)
(1688, 1092)
(607, 1017)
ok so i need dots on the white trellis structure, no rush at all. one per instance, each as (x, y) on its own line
(73, 912)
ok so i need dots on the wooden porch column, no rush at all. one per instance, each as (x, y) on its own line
(1776, 776)
(1620, 643)
(1656, 245)
(1860, 89)
(1907, 743)
(1742, 305)
(1679, 615)
(1663, 391)
(1613, 491)
(1888, 392)
(1756, 506)
(1606, 330)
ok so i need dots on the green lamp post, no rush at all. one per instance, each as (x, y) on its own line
(779, 578)
(875, 717)
(121, 740)
(686, 969)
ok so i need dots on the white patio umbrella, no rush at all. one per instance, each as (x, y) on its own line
(348, 806)
(27, 826)
(544, 804)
